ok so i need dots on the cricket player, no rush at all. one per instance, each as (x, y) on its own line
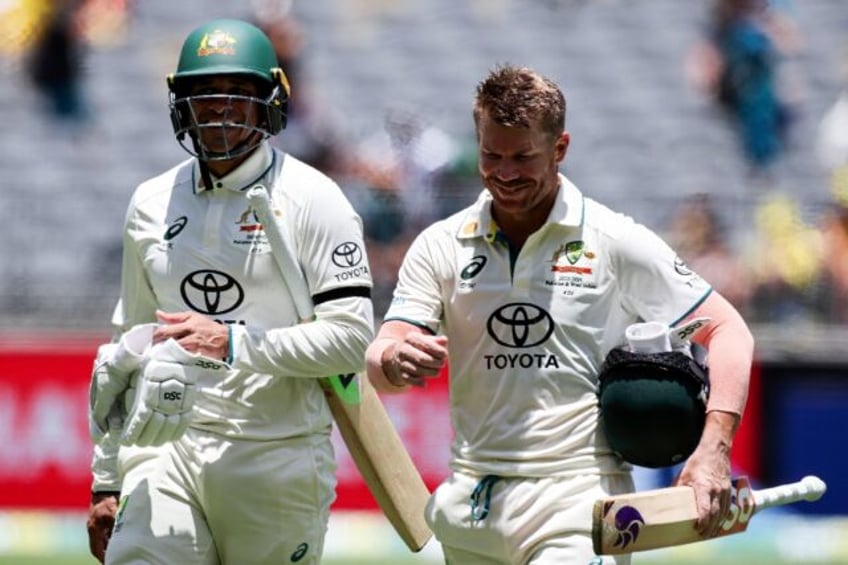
(252, 478)
(524, 293)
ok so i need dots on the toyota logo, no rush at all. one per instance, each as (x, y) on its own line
(520, 325)
(211, 292)
(346, 255)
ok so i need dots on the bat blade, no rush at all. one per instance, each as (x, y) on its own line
(384, 463)
(666, 517)
(360, 416)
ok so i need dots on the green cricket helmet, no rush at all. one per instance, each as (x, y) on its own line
(231, 48)
(653, 405)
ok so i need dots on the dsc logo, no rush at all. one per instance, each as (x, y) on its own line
(172, 396)
(207, 364)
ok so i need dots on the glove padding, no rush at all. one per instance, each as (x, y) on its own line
(114, 367)
(164, 395)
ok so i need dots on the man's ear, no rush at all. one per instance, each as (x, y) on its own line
(561, 146)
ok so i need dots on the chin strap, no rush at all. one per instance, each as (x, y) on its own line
(205, 175)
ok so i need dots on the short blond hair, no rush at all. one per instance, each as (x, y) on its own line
(516, 96)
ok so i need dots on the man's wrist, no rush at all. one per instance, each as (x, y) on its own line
(390, 365)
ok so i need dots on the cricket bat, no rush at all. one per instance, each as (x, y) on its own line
(665, 517)
(363, 423)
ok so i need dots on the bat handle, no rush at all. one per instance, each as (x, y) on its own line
(281, 251)
(810, 488)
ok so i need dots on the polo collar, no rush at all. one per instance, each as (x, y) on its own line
(567, 211)
(251, 171)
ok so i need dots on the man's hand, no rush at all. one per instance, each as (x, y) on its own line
(101, 519)
(413, 360)
(194, 332)
(708, 471)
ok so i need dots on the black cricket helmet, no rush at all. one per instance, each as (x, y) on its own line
(653, 405)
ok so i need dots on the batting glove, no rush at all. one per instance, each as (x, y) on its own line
(114, 367)
(163, 402)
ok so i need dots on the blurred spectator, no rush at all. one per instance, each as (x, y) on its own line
(786, 257)
(699, 236)
(416, 154)
(457, 184)
(401, 179)
(832, 150)
(375, 192)
(832, 142)
(737, 65)
(833, 293)
(310, 134)
(832, 135)
(361, 21)
(21, 23)
(379, 202)
(55, 65)
(103, 23)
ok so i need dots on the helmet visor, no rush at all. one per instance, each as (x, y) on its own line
(220, 126)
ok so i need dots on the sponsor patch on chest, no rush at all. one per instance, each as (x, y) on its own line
(573, 266)
(250, 233)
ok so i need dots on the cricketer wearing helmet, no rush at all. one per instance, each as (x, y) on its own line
(244, 473)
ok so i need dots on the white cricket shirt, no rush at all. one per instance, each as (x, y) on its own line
(527, 340)
(190, 248)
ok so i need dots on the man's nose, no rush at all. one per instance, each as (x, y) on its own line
(507, 171)
(220, 104)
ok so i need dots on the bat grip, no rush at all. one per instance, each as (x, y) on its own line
(809, 488)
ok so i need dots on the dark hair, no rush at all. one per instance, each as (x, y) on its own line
(516, 96)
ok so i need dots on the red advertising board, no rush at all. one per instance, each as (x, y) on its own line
(45, 452)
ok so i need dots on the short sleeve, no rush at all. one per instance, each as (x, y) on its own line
(418, 294)
(654, 281)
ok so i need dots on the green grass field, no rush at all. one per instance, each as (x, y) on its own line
(87, 560)
(772, 539)
(637, 560)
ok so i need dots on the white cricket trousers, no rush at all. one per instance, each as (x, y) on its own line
(521, 521)
(210, 500)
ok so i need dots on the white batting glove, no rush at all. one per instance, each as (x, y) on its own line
(164, 395)
(114, 367)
